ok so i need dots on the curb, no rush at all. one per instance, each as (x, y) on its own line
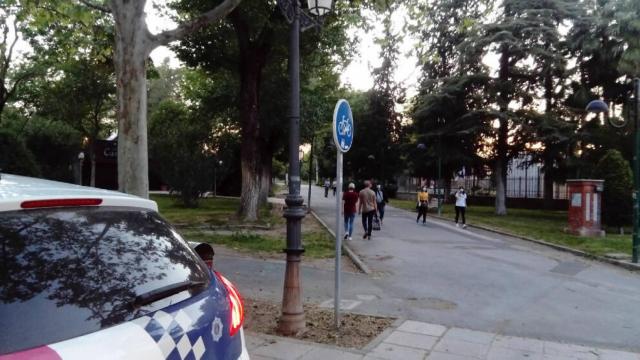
(622, 264)
(350, 253)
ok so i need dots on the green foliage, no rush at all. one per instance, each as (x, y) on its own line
(15, 158)
(180, 150)
(617, 203)
(55, 146)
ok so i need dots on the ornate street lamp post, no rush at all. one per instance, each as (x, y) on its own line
(80, 163)
(292, 319)
(215, 177)
(598, 106)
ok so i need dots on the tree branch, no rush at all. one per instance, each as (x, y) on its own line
(201, 21)
(95, 6)
(9, 55)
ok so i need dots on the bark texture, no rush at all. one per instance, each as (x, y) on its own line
(133, 45)
(252, 60)
(501, 161)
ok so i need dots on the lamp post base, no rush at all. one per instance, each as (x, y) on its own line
(292, 320)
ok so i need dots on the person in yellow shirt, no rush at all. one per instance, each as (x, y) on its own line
(423, 204)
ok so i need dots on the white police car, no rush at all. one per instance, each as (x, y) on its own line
(95, 274)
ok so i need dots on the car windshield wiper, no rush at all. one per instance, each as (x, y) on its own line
(165, 291)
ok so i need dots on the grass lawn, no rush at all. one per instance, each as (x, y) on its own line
(316, 244)
(537, 224)
(211, 211)
(317, 241)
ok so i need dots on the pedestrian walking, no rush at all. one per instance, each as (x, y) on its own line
(423, 205)
(349, 199)
(326, 187)
(381, 201)
(333, 186)
(461, 206)
(367, 208)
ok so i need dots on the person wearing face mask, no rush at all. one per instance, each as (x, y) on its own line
(461, 206)
(423, 204)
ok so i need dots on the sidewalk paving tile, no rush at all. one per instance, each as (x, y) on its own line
(253, 341)
(284, 350)
(558, 357)
(332, 354)
(422, 328)
(463, 348)
(419, 341)
(258, 357)
(518, 343)
(393, 352)
(501, 353)
(478, 337)
(617, 355)
(569, 350)
(445, 356)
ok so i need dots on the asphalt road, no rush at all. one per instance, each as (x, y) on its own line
(441, 274)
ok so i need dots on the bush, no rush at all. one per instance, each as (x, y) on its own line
(15, 158)
(617, 202)
(178, 146)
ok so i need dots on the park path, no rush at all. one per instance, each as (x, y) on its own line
(445, 275)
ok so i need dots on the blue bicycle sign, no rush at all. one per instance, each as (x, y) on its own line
(343, 126)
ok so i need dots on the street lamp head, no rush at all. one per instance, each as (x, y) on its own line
(220, 162)
(320, 7)
(81, 156)
(597, 106)
(421, 146)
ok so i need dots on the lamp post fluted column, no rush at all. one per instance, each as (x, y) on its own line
(292, 320)
(635, 245)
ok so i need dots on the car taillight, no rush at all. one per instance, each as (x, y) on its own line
(235, 304)
(34, 204)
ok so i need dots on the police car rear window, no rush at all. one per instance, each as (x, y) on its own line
(71, 271)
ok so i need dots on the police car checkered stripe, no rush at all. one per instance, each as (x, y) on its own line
(169, 331)
(124, 341)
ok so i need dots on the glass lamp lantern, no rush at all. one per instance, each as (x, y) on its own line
(320, 7)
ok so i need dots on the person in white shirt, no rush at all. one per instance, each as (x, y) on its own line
(461, 206)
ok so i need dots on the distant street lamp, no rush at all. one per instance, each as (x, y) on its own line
(215, 180)
(599, 106)
(292, 319)
(80, 162)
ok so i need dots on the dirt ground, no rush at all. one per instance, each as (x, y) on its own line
(356, 330)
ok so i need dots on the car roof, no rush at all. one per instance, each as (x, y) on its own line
(15, 189)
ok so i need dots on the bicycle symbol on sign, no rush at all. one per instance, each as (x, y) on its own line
(344, 127)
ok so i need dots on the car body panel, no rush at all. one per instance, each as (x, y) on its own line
(15, 189)
(188, 325)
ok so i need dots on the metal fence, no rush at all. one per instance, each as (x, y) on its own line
(517, 187)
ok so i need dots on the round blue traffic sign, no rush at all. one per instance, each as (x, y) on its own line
(343, 126)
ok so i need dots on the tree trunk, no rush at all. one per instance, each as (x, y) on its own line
(265, 176)
(548, 183)
(250, 157)
(132, 48)
(501, 161)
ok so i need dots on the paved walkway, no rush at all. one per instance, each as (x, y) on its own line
(419, 340)
(506, 289)
(470, 279)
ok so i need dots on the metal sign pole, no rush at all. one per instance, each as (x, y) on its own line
(343, 139)
(336, 302)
